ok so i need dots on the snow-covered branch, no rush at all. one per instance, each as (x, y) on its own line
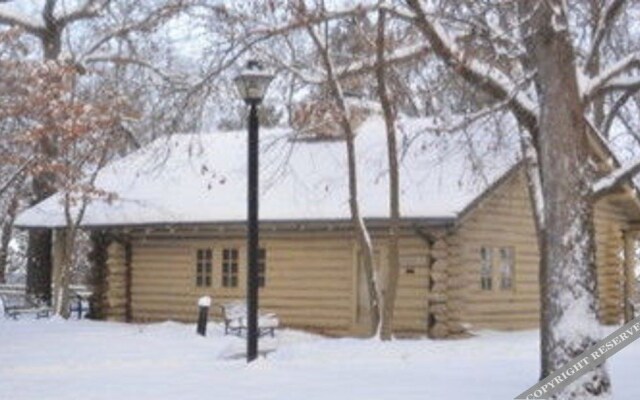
(603, 26)
(614, 110)
(308, 75)
(10, 16)
(478, 72)
(611, 79)
(397, 56)
(315, 17)
(89, 9)
(457, 122)
(365, 66)
(615, 178)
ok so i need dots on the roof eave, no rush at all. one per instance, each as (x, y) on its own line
(377, 222)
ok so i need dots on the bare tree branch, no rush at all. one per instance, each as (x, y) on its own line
(480, 74)
(120, 60)
(610, 79)
(364, 238)
(614, 111)
(90, 9)
(16, 175)
(602, 28)
(389, 292)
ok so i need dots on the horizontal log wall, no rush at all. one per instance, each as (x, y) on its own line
(308, 281)
(311, 280)
(411, 310)
(505, 219)
(116, 286)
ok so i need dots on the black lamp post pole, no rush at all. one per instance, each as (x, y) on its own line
(252, 236)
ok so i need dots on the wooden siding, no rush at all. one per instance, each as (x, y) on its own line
(311, 279)
(116, 285)
(411, 313)
(308, 281)
(505, 219)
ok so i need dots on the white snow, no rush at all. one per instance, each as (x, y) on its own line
(202, 178)
(204, 301)
(53, 359)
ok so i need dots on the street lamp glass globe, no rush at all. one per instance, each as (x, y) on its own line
(252, 82)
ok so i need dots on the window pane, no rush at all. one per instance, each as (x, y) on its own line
(486, 268)
(230, 267)
(507, 266)
(203, 267)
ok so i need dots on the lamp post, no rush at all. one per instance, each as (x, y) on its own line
(252, 83)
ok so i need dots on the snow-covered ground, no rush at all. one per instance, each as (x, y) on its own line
(54, 359)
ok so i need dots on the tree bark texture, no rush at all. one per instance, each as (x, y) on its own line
(39, 247)
(63, 259)
(568, 271)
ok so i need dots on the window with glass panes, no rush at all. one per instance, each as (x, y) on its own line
(486, 268)
(204, 260)
(507, 266)
(230, 268)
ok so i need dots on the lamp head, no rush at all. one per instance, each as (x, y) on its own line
(252, 82)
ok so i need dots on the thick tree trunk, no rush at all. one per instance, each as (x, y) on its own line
(39, 247)
(63, 257)
(39, 264)
(568, 278)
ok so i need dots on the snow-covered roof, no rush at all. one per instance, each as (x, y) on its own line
(201, 178)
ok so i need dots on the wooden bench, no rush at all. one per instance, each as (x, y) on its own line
(234, 315)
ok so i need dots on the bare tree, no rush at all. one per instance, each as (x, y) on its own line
(364, 239)
(393, 268)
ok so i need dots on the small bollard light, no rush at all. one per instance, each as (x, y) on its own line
(203, 312)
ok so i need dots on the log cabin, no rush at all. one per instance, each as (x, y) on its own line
(175, 230)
